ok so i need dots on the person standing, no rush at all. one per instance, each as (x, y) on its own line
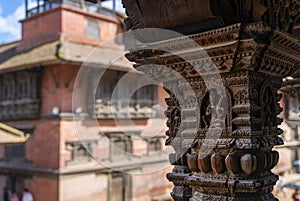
(296, 195)
(280, 186)
(14, 197)
(5, 194)
(27, 196)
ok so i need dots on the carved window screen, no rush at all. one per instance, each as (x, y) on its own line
(106, 86)
(23, 86)
(18, 152)
(8, 88)
(118, 97)
(147, 95)
(80, 150)
(15, 152)
(154, 145)
(20, 95)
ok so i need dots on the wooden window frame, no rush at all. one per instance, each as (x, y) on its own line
(127, 186)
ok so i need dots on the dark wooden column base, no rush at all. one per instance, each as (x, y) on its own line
(222, 116)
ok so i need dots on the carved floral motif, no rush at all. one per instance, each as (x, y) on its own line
(224, 137)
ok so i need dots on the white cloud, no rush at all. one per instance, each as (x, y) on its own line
(109, 4)
(10, 25)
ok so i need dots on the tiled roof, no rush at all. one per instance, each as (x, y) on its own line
(62, 52)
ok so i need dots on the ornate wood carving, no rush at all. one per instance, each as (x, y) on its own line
(208, 14)
(224, 151)
(140, 105)
(229, 155)
(19, 95)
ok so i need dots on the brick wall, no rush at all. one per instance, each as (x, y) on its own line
(54, 92)
(148, 185)
(44, 189)
(65, 23)
(42, 28)
(43, 148)
(90, 187)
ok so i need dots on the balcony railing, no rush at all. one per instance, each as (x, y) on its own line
(86, 6)
(19, 109)
(124, 109)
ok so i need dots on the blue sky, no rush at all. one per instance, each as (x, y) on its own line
(11, 12)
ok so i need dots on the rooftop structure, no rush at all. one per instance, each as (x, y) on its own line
(40, 6)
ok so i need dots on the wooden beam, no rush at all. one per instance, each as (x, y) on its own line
(114, 5)
(26, 7)
(38, 6)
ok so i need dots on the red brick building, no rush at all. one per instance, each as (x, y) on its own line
(97, 156)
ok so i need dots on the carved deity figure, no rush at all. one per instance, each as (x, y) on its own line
(207, 117)
(176, 119)
(214, 111)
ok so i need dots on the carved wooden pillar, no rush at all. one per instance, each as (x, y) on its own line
(222, 135)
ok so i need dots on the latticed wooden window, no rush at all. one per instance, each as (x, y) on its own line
(80, 153)
(81, 150)
(106, 86)
(18, 152)
(120, 146)
(15, 152)
(23, 85)
(8, 88)
(147, 95)
(154, 145)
